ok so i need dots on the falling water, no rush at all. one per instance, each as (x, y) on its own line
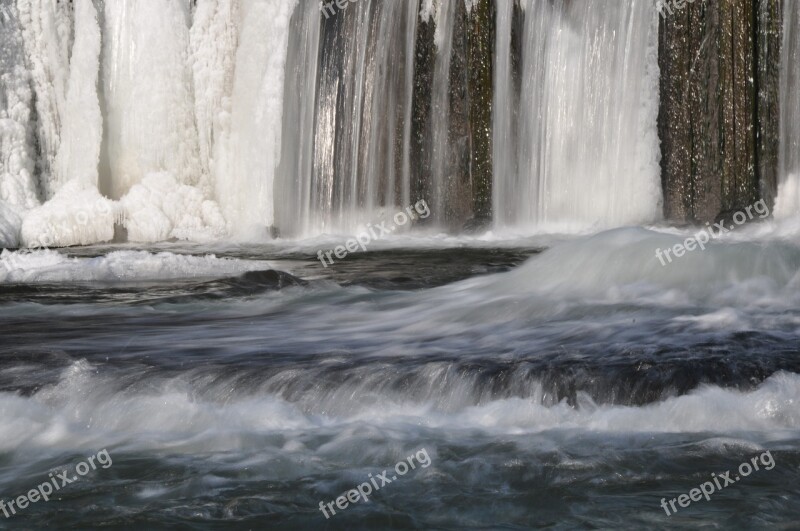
(504, 116)
(443, 39)
(347, 158)
(293, 207)
(587, 153)
(203, 118)
(788, 200)
(62, 43)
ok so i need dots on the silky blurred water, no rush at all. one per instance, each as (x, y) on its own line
(562, 384)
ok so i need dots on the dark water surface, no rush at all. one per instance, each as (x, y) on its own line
(570, 388)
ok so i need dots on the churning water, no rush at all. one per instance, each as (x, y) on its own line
(559, 381)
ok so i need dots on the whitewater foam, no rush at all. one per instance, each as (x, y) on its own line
(120, 266)
(84, 408)
(626, 257)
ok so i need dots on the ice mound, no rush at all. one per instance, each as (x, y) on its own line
(159, 208)
(76, 215)
(120, 266)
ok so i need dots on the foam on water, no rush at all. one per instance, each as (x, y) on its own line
(52, 266)
(610, 268)
(595, 265)
(84, 409)
(617, 267)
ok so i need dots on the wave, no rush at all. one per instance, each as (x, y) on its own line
(84, 408)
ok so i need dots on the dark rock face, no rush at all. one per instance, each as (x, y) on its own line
(718, 116)
(768, 61)
(480, 46)
(459, 193)
(424, 62)
(468, 164)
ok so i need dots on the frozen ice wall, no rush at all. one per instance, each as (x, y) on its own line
(200, 119)
(250, 149)
(17, 134)
(147, 87)
(162, 117)
(81, 123)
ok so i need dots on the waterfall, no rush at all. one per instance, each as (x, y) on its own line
(295, 176)
(47, 36)
(347, 121)
(143, 103)
(214, 37)
(582, 149)
(788, 200)
(504, 117)
(440, 108)
(200, 119)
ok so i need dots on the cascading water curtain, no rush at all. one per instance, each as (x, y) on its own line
(347, 116)
(575, 134)
(788, 201)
